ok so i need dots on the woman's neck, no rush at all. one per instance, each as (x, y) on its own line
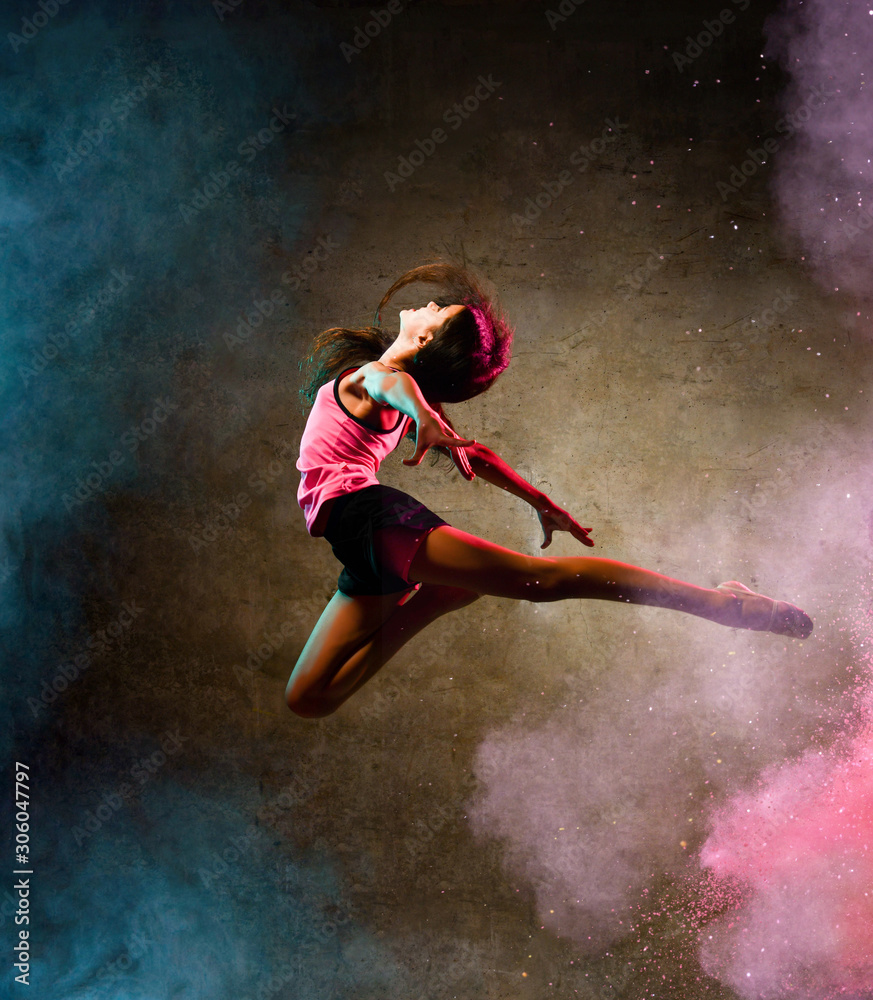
(396, 360)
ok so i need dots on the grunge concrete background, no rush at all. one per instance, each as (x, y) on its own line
(529, 801)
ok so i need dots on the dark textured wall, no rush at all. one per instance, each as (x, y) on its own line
(537, 801)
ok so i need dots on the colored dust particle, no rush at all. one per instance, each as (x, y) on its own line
(800, 849)
(797, 845)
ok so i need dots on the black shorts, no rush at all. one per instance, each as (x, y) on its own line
(375, 532)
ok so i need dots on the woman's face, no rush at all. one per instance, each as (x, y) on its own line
(420, 325)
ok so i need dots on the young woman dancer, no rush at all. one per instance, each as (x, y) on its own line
(369, 389)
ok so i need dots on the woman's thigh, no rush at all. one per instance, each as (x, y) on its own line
(452, 557)
(344, 626)
(356, 636)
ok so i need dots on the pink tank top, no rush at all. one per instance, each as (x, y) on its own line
(338, 452)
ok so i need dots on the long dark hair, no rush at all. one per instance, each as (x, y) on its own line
(464, 358)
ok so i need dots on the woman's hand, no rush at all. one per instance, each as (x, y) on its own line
(462, 463)
(432, 431)
(552, 518)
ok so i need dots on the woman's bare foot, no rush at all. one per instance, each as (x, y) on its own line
(763, 614)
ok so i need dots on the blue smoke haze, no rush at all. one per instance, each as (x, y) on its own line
(110, 289)
(129, 247)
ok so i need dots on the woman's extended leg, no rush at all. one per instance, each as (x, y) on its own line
(354, 637)
(448, 555)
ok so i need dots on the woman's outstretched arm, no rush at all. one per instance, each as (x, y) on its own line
(399, 390)
(491, 467)
(434, 430)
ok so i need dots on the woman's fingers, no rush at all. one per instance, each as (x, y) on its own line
(581, 534)
(419, 453)
(432, 432)
(559, 520)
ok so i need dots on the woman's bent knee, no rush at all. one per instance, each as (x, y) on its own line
(306, 701)
(309, 706)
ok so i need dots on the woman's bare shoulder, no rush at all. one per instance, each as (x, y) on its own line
(354, 396)
(354, 381)
(359, 374)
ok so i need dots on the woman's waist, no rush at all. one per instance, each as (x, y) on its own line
(322, 517)
(338, 495)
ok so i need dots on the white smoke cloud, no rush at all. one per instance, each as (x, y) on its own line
(823, 179)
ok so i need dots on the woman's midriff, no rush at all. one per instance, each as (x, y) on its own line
(321, 518)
